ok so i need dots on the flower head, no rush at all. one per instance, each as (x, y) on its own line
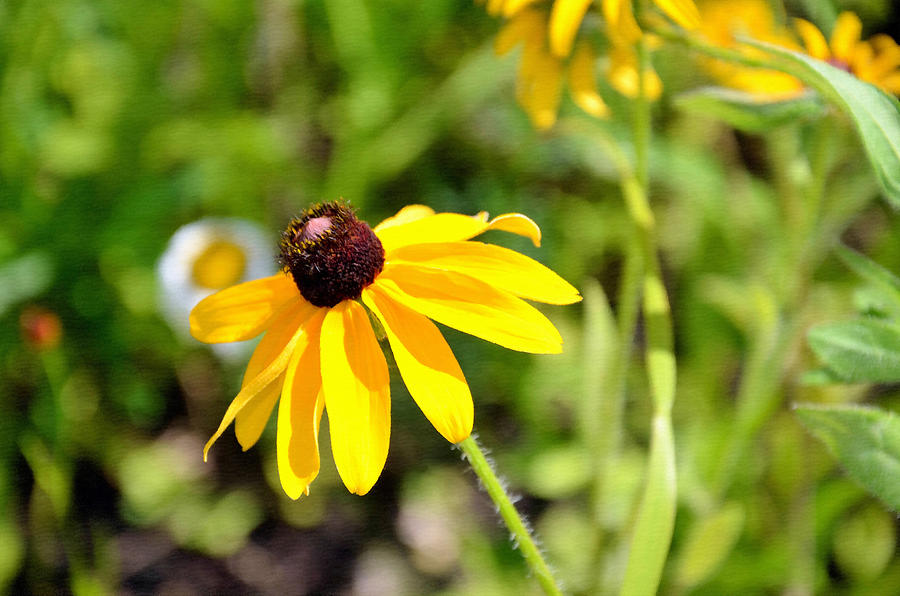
(319, 351)
(876, 60)
(552, 53)
(723, 22)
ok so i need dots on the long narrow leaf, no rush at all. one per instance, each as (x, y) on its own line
(875, 114)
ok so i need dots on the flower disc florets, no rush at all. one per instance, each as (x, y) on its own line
(330, 254)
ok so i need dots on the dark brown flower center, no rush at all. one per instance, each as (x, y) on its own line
(330, 254)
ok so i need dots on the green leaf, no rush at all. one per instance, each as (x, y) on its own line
(885, 282)
(875, 114)
(656, 516)
(744, 111)
(708, 543)
(859, 351)
(866, 441)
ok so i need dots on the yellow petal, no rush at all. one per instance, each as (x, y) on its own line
(623, 75)
(426, 364)
(543, 91)
(526, 26)
(621, 24)
(471, 306)
(886, 56)
(299, 413)
(494, 265)
(565, 19)
(515, 223)
(242, 311)
(816, 45)
(683, 12)
(494, 7)
(267, 376)
(845, 36)
(406, 215)
(891, 83)
(357, 395)
(451, 227)
(514, 6)
(251, 420)
(583, 83)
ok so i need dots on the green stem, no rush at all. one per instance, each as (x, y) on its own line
(511, 517)
(656, 516)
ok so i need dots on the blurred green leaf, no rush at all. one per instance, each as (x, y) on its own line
(744, 111)
(864, 543)
(859, 351)
(656, 518)
(866, 441)
(12, 552)
(708, 544)
(875, 114)
(886, 283)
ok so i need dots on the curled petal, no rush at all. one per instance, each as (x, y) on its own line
(497, 266)
(452, 227)
(357, 395)
(427, 365)
(299, 413)
(250, 421)
(406, 215)
(470, 306)
(268, 375)
(242, 311)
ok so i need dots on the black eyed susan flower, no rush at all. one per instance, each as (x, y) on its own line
(320, 352)
(876, 60)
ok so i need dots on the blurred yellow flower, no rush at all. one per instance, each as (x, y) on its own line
(724, 21)
(551, 53)
(876, 60)
(320, 352)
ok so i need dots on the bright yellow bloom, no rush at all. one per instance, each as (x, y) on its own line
(551, 53)
(725, 20)
(320, 352)
(876, 60)
(544, 65)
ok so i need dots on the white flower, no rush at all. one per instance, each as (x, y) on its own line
(205, 256)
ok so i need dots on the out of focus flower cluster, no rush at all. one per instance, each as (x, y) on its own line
(726, 22)
(558, 44)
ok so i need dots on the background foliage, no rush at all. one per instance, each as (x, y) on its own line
(122, 120)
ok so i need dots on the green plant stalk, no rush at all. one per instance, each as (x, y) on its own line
(510, 515)
(655, 523)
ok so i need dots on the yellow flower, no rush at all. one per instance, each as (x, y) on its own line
(876, 60)
(320, 352)
(544, 64)
(725, 20)
(551, 53)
